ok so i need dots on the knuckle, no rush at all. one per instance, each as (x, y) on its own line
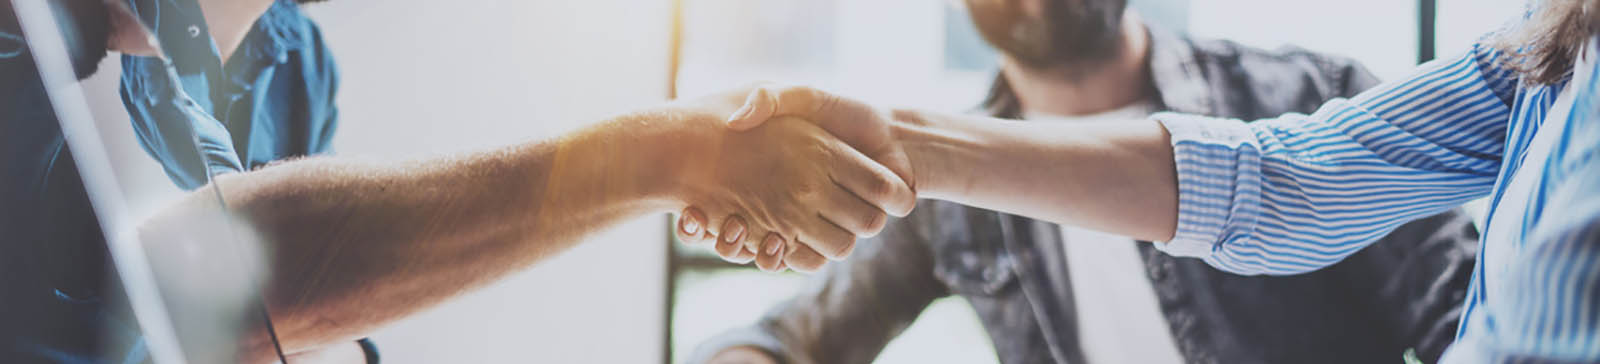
(803, 192)
(875, 221)
(841, 248)
(880, 188)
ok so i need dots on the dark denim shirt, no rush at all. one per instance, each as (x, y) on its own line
(274, 99)
(1402, 292)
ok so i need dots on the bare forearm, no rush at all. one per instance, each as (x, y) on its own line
(359, 244)
(1117, 177)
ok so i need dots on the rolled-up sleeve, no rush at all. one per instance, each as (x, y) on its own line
(1300, 192)
(191, 145)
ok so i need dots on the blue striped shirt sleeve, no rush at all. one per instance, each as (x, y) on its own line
(1300, 192)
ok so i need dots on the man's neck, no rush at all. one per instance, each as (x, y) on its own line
(1083, 89)
(230, 21)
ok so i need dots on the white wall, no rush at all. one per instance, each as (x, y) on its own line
(423, 77)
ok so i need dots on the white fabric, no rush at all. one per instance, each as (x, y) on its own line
(1119, 320)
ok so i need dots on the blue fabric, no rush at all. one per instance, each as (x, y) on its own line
(274, 98)
(1301, 192)
(53, 267)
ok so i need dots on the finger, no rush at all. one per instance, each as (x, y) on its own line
(743, 256)
(844, 209)
(731, 237)
(830, 240)
(691, 226)
(757, 109)
(771, 253)
(871, 181)
(801, 258)
(769, 101)
(734, 253)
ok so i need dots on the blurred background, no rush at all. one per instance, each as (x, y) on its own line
(426, 77)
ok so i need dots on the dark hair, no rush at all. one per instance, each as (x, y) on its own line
(1064, 32)
(1545, 45)
(85, 25)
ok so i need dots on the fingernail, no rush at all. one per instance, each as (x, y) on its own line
(733, 234)
(742, 113)
(691, 226)
(773, 246)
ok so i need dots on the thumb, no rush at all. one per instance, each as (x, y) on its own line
(758, 107)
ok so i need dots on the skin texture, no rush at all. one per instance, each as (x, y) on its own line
(355, 245)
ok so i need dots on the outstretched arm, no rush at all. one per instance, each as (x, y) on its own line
(358, 244)
(1279, 196)
(1115, 176)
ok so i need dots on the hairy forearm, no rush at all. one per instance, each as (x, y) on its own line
(358, 244)
(1117, 177)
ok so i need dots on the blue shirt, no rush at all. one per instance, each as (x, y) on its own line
(274, 99)
(1301, 192)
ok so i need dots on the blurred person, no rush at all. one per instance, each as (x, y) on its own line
(359, 244)
(1059, 293)
(1516, 117)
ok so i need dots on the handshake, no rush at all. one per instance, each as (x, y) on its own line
(796, 176)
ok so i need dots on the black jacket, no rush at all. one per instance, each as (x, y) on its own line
(1402, 292)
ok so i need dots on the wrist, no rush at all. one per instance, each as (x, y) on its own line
(644, 157)
(676, 154)
(936, 148)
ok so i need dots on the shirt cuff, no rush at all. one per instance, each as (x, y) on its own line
(1214, 159)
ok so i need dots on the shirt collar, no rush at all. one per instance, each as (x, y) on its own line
(180, 27)
(1180, 84)
(280, 30)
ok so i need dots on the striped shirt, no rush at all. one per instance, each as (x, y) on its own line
(1301, 192)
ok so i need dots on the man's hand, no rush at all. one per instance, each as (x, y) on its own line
(857, 124)
(784, 180)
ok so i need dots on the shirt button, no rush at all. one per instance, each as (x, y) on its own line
(194, 31)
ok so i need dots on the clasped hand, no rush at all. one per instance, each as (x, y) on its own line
(797, 178)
